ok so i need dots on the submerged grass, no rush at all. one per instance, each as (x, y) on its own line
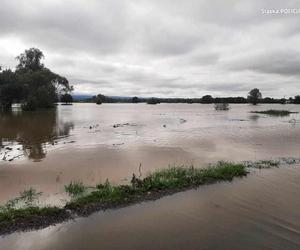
(75, 188)
(275, 112)
(263, 164)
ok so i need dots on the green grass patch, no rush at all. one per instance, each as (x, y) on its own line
(75, 188)
(11, 215)
(274, 112)
(170, 179)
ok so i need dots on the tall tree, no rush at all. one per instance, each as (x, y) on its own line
(30, 60)
(32, 84)
(254, 96)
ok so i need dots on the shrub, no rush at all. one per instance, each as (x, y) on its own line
(222, 106)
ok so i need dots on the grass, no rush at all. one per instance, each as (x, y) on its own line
(105, 195)
(75, 188)
(275, 112)
(23, 208)
(27, 198)
(170, 179)
(11, 215)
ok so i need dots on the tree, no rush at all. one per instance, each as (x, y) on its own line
(32, 84)
(153, 101)
(135, 99)
(282, 101)
(297, 99)
(99, 99)
(207, 99)
(30, 60)
(254, 96)
(66, 98)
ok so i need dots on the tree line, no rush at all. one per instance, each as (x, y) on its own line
(254, 97)
(32, 84)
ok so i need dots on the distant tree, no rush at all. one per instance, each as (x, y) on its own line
(99, 99)
(282, 101)
(297, 99)
(153, 101)
(207, 99)
(66, 98)
(254, 96)
(135, 99)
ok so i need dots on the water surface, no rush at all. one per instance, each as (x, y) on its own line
(257, 212)
(87, 142)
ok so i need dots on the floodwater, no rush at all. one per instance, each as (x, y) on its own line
(87, 142)
(257, 212)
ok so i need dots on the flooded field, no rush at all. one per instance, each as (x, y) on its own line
(90, 143)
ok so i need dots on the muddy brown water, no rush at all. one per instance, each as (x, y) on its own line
(260, 211)
(88, 142)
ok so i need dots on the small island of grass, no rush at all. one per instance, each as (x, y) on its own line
(274, 112)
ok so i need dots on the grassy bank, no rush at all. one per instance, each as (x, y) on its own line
(106, 195)
(274, 112)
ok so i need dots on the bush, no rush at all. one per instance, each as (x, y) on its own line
(222, 106)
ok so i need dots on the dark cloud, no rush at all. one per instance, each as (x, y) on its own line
(167, 47)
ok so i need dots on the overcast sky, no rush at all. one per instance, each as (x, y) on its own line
(174, 48)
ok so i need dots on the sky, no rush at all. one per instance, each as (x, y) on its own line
(162, 48)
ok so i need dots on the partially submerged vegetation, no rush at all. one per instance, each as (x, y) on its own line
(222, 106)
(264, 164)
(106, 195)
(75, 188)
(31, 84)
(23, 213)
(274, 112)
(166, 180)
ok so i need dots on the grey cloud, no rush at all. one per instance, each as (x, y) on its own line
(167, 47)
(286, 62)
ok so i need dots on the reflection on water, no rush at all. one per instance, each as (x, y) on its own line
(90, 143)
(112, 140)
(29, 134)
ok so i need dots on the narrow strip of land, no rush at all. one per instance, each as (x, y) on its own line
(104, 196)
(275, 112)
